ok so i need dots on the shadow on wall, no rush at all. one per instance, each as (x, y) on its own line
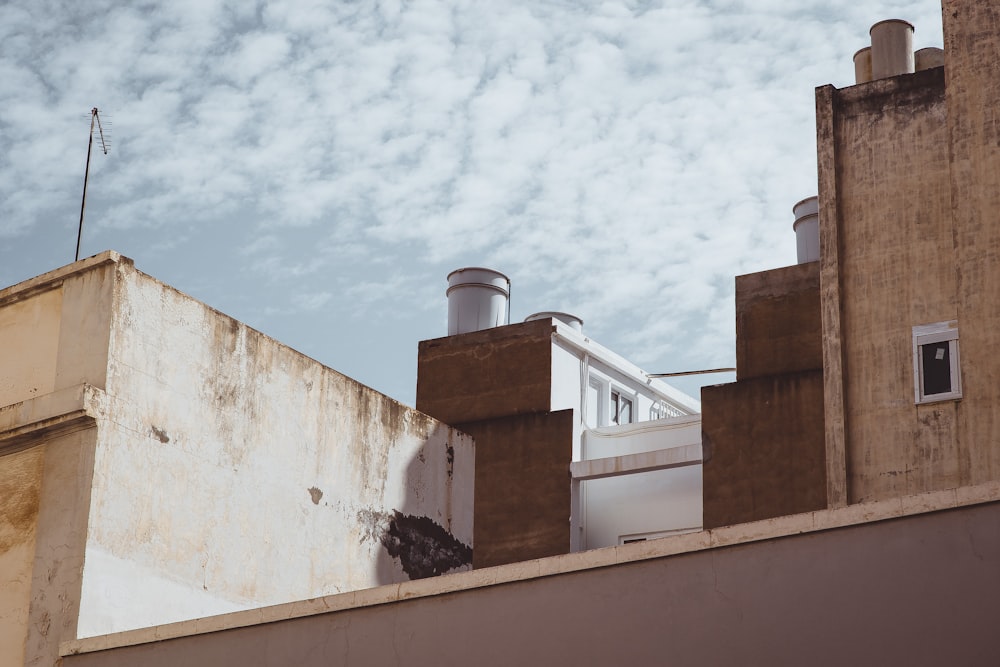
(420, 545)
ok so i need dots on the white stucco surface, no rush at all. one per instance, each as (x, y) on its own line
(243, 473)
(186, 465)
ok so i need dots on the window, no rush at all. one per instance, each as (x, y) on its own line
(621, 408)
(935, 362)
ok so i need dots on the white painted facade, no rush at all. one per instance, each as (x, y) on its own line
(172, 463)
(622, 412)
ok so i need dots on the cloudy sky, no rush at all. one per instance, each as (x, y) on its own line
(315, 168)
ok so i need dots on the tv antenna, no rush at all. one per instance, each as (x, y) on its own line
(95, 119)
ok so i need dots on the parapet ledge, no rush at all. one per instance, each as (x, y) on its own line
(50, 415)
(716, 538)
(54, 278)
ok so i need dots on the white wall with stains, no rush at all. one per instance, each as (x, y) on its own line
(217, 468)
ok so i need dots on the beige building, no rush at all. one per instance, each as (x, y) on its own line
(851, 484)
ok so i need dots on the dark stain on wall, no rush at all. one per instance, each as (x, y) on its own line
(160, 434)
(451, 460)
(424, 548)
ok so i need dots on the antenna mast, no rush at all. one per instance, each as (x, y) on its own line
(95, 118)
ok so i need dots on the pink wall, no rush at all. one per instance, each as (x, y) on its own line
(920, 590)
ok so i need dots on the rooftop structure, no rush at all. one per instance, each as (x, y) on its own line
(851, 473)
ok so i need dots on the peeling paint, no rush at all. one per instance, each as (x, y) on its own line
(160, 434)
(424, 548)
(315, 494)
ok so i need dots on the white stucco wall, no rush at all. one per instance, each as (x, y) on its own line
(232, 471)
(642, 504)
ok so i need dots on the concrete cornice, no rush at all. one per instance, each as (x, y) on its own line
(35, 420)
(54, 278)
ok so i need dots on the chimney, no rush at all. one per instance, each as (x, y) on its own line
(572, 321)
(806, 228)
(892, 48)
(928, 58)
(477, 299)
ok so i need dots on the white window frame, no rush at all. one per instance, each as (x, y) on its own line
(630, 396)
(926, 334)
(601, 418)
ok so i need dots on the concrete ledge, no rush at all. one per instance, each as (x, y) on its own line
(61, 412)
(660, 459)
(769, 529)
(54, 278)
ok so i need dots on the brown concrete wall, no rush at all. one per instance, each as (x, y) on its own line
(895, 268)
(972, 69)
(485, 374)
(778, 327)
(522, 492)
(922, 590)
(765, 449)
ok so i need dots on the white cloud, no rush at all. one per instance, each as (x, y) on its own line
(620, 160)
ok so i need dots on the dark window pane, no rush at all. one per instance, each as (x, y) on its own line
(936, 358)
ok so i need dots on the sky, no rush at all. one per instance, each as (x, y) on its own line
(316, 168)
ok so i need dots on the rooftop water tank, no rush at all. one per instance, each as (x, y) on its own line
(892, 48)
(571, 321)
(806, 228)
(477, 299)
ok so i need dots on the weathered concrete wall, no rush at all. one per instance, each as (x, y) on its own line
(53, 337)
(972, 71)
(764, 448)
(54, 330)
(522, 486)
(20, 490)
(485, 374)
(889, 225)
(778, 324)
(897, 270)
(238, 469)
(60, 538)
(920, 590)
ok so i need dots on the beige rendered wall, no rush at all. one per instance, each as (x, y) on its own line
(972, 70)
(54, 330)
(53, 338)
(232, 472)
(20, 489)
(889, 265)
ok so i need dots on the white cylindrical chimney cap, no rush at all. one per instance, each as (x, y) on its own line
(928, 58)
(477, 299)
(863, 65)
(806, 228)
(892, 48)
(571, 321)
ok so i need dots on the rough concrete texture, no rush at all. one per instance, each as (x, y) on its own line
(909, 179)
(522, 486)
(485, 374)
(897, 270)
(764, 448)
(778, 327)
(919, 590)
(972, 96)
(20, 489)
